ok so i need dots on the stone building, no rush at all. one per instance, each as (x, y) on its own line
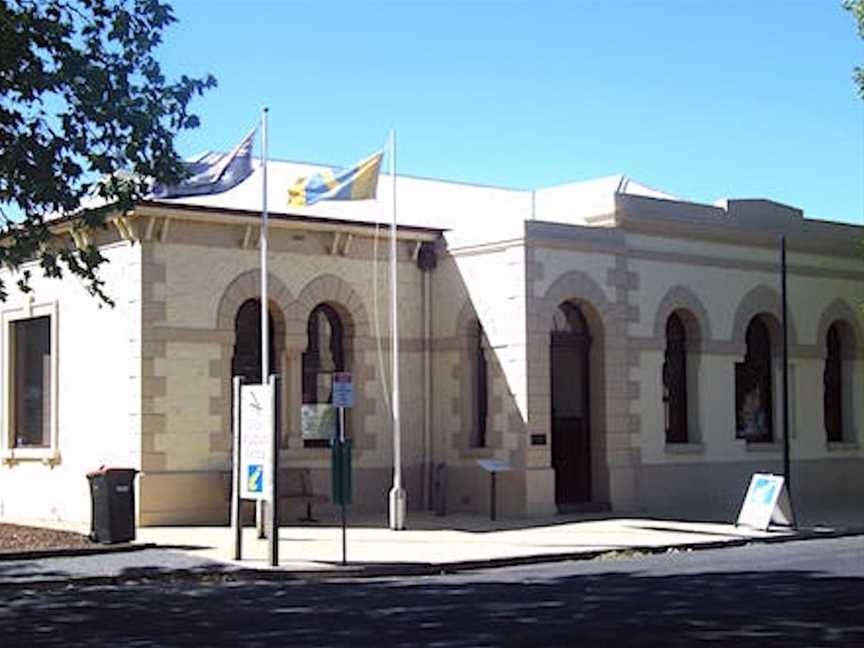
(618, 347)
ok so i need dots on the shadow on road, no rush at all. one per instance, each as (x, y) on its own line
(764, 608)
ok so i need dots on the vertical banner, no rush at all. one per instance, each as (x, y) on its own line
(256, 434)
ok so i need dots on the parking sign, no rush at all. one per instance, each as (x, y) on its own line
(343, 389)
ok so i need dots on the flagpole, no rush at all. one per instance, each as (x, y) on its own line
(787, 469)
(265, 350)
(397, 492)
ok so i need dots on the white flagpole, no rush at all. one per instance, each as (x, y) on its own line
(265, 347)
(397, 492)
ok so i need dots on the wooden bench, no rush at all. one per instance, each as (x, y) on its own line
(295, 484)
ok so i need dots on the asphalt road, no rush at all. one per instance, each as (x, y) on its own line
(799, 593)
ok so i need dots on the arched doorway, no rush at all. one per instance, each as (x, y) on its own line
(570, 345)
(246, 361)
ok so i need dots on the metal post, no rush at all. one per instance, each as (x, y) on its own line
(787, 472)
(785, 362)
(236, 502)
(274, 493)
(492, 495)
(397, 493)
(342, 502)
(265, 347)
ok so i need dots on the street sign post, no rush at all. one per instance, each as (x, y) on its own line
(343, 398)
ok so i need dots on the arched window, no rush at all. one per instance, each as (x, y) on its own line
(753, 385)
(246, 361)
(481, 391)
(833, 383)
(570, 378)
(570, 319)
(325, 355)
(675, 381)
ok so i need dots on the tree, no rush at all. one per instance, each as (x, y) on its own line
(856, 8)
(85, 111)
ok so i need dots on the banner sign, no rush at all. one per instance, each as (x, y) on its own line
(318, 421)
(256, 442)
(766, 502)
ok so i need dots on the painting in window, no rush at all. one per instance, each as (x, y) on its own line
(833, 385)
(325, 355)
(753, 402)
(675, 381)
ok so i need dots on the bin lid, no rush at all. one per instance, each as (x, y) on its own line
(104, 470)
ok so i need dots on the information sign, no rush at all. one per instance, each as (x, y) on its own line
(256, 442)
(494, 466)
(318, 421)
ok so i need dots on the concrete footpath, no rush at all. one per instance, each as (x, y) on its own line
(430, 545)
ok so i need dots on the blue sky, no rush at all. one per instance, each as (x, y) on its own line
(741, 98)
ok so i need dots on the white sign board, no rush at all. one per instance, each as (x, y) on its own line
(766, 501)
(318, 421)
(256, 442)
(494, 466)
(343, 390)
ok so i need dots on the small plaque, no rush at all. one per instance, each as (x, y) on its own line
(538, 439)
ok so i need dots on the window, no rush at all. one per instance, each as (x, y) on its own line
(481, 391)
(325, 355)
(31, 387)
(246, 361)
(833, 385)
(675, 381)
(753, 407)
(29, 348)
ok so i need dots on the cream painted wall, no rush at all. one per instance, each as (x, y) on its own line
(495, 284)
(642, 243)
(720, 291)
(194, 400)
(557, 262)
(192, 297)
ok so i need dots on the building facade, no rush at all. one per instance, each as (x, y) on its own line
(618, 348)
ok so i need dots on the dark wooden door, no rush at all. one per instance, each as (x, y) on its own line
(571, 429)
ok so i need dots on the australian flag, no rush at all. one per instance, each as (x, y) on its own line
(213, 173)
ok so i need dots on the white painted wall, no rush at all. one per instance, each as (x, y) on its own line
(98, 405)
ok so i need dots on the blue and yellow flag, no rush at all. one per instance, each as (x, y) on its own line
(360, 182)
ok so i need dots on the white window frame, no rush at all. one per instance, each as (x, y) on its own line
(11, 455)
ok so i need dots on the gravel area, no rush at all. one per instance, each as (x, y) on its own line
(14, 538)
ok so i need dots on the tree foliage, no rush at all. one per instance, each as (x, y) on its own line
(856, 8)
(82, 98)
